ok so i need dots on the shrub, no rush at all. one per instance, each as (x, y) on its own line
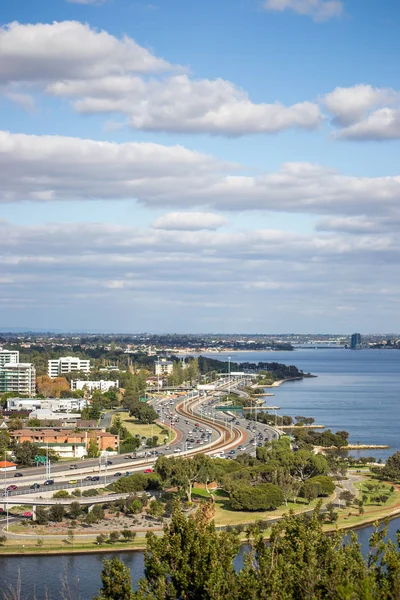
(61, 494)
(265, 496)
(325, 484)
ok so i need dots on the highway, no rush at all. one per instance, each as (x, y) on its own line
(199, 429)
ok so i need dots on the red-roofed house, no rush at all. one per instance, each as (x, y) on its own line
(6, 466)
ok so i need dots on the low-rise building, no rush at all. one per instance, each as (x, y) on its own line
(6, 466)
(91, 386)
(49, 404)
(60, 437)
(67, 364)
(19, 378)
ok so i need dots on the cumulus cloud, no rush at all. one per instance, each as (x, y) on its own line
(319, 10)
(84, 271)
(69, 50)
(51, 168)
(363, 112)
(189, 221)
(182, 104)
(102, 74)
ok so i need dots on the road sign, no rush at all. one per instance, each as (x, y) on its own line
(143, 399)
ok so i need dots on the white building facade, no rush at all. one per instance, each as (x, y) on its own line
(19, 378)
(50, 404)
(8, 356)
(67, 364)
(164, 367)
(103, 386)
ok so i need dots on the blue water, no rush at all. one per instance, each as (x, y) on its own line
(358, 391)
(355, 390)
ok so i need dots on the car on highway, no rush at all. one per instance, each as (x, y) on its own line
(34, 486)
(148, 471)
(108, 462)
(11, 488)
(128, 473)
(27, 514)
(18, 474)
(72, 481)
(95, 478)
(49, 482)
(118, 474)
(73, 466)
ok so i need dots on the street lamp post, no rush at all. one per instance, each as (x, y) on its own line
(229, 374)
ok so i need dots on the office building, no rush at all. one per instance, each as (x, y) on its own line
(19, 378)
(9, 356)
(67, 364)
(355, 342)
(90, 386)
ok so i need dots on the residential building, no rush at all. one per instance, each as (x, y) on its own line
(67, 364)
(9, 356)
(49, 404)
(19, 378)
(91, 386)
(164, 367)
(67, 442)
(355, 342)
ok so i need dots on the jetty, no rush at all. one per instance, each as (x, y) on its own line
(301, 426)
(261, 407)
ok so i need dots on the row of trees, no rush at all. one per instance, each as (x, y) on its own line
(300, 562)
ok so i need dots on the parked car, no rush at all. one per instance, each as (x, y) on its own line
(35, 486)
(11, 488)
(49, 482)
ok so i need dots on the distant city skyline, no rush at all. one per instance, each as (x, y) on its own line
(216, 166)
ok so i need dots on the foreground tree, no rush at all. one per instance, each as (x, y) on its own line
(193, 562)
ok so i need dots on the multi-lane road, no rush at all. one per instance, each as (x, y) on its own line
(198, 428)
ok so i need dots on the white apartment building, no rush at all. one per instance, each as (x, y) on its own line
(164, 367)
(49, 404)
(19, 378)
(67, 364)
(102, 385)
(8, 356)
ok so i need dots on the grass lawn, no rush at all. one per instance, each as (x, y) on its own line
(224, 515)
(143, 430)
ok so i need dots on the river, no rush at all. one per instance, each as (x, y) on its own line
(355, 390)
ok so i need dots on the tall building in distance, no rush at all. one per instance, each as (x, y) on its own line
(8, 356)
(19, 378)
(355, 342)
(67, 364)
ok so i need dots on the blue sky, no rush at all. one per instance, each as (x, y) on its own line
(217, 166)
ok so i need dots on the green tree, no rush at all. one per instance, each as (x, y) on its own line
(191, 560)
(56, 513)
(93, 449)
(42, 517)
(75, 510)
(156, 509)
(25, 453)
(116, 581)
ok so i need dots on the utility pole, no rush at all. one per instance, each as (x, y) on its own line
(229, 374)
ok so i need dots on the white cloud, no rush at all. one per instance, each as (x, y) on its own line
(189, 221)
(351, 104)
(383, 124)
(25, 100)
(182, 104)
(102, 74)
(319, 10)
(69, 50)
(54, 168)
